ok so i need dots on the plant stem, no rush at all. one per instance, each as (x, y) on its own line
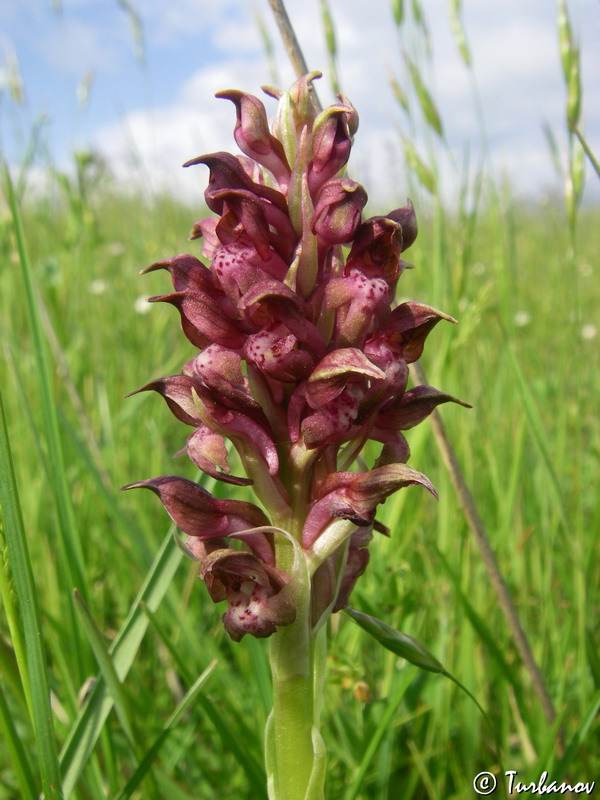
(295, 759)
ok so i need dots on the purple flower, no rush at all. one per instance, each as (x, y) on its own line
(301, 358)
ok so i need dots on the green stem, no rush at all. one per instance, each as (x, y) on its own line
(295, 753)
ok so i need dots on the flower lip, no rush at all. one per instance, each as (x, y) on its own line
(255, 593)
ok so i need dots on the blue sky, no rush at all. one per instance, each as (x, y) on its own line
(147, 118)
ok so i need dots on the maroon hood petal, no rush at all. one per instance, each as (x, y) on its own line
(229, 172)
(333, 373)
(187, 272)
(338, 211)
(253, 136)
(409, 325)
(415, 406)
(177, 392)
(376, 249)
(196, 512)
(355, 496)
(192, 508)
(407, 219)
(203, 321)
(207, 450)
(331, 145)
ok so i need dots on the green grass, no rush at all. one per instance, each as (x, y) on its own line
(529, 449)
(101, 608)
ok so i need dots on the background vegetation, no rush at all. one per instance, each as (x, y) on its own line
(522, 279)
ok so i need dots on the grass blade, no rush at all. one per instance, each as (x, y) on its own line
(233, 740)
(378, 735)
(408, 648)
(586, 148)
(398, 11)
(579, 737)
(184, 705)
(16, 751)
(533, 418)
(36, 677)
(106, 666)
(428, 106)
(330, 41)
(71, 550)
(87, 727)
(424, 173)
(459, 32)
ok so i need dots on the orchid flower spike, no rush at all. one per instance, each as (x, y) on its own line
(299, 358)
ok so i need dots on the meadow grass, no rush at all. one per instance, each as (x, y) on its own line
(148, 696)
(523, 355)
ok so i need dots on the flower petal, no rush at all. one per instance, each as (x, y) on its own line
(415, 406)
(355, 496)
(407, 219)
(221, 371)
(409, 325)
(196, 512)
(338, 211)
(276, 353)
(187, 272)
(228, 172)
(360, 300)
(202, 320)
(331, 145)
(256, 603)
(333, 373)
(253, 136)
(177, 392)
(331, 423)
(376, 249)
(205, 229)
(208, 452)
(192, 508)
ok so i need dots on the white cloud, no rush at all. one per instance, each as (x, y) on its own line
(151, 146)
(515, 52)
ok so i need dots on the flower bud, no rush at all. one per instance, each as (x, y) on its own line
(331, 145)
(253, 136)
(338, 211)
(407, 219)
